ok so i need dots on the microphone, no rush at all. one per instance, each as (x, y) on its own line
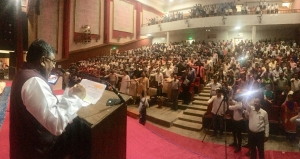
(62, 70)
(112, 101)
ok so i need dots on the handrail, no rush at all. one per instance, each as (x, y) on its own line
(252, 12)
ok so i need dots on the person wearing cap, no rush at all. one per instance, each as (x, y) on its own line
(290, 109)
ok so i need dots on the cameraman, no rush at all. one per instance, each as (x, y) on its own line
(217, 112)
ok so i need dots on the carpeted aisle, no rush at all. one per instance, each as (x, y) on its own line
(143, 144)
(3, 104)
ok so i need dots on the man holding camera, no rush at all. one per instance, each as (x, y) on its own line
(218, 111)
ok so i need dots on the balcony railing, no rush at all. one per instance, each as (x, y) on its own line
(188, 16)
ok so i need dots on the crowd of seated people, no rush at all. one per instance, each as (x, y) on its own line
(270, 67)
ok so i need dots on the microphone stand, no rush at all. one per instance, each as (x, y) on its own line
(114, 90)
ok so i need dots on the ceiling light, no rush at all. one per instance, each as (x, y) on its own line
(237, 28)
(171, 0)
(148, 34)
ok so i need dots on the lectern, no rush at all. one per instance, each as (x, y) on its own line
(104, 128)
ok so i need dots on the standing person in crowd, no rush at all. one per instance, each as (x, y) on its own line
(133, 89)
(295, 83)
(185, 87)
(160, 81)
(41, 126)
(180, 68)
(238, 123)
(175, 85)
(218, 111)
(280, 84)
(290, 109)
(142, 108)
(258, 126)
(143, 85)
(113, 78)
(214, 86)
(125, 82)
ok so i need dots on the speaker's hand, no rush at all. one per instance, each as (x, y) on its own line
(78, 90)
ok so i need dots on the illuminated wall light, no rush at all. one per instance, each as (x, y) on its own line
(237, 28)
(171, 0)
(148, 34)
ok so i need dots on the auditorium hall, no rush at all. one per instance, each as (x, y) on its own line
(150, 79)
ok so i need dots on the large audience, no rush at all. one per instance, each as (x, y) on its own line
(268, 67)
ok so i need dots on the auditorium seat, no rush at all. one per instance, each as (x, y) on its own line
(197, 85)
(274, 119)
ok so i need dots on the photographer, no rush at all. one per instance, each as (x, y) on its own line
(217, 112)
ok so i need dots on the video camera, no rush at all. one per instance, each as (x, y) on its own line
(224, 91)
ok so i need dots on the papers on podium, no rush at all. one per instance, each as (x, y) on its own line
(94, 91)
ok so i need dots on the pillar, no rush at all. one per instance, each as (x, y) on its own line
(254, 34)
(168, 38)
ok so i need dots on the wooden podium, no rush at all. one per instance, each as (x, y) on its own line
(105, 128)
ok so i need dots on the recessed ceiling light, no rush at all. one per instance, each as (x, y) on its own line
(171, 0)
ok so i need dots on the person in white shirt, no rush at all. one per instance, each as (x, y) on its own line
(295, 83)
(258, 126)
(40, 123)
(214, 86)
(268, 9)
(238, 123)
(276, 8)
(160, 81)
(168, 71)
(125, 82)
(218, 110)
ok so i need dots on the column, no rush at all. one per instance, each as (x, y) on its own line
(66, 29)
(254, 34)
(168, 38)
(19, 35)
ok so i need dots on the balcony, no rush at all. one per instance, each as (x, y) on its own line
(291, 17)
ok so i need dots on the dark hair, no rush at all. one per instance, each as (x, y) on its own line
(37, 49)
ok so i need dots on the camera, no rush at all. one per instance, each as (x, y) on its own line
(224, 91)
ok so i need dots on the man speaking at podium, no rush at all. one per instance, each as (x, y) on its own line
(40, 124)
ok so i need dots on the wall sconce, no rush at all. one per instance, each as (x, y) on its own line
(187, 22)
(260, 18)
(223, 19)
